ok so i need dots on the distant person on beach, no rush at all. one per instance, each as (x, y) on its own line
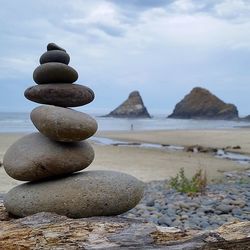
(132, 127)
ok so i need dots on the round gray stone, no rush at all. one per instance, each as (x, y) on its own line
(165, 220)
(64, 95)
(35, 157)
(224, 208)
(85, 194)
(53, 46)
(63, 124)
(55, 56)
(54, 72)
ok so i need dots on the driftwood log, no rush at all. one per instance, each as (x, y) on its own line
(52, 231)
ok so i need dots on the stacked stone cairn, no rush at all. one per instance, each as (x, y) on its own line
(48, 160)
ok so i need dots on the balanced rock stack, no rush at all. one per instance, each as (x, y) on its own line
(48, 160)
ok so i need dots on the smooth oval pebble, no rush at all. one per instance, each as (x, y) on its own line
(35, 157)
(85, 194)
(63, 124)
(64, 95)
(53, 46)
(55, 56)
(54, 72)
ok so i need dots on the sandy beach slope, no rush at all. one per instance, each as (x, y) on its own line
(154, 164)
(208, 138)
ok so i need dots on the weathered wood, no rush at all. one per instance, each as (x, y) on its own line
(52, 231)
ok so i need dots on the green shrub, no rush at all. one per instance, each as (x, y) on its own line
(182, 184)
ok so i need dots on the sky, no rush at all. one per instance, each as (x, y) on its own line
(162, 48)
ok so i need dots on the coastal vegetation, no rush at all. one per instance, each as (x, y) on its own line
(197, 184)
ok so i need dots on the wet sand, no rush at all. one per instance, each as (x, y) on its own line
(155, 164)
(207, 138)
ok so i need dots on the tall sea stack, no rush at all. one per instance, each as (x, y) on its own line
(133, 107)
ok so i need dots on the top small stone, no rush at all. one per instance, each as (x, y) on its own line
(53, 46)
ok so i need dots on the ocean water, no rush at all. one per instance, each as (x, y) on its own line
(20, 122)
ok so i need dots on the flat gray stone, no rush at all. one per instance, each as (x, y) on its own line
(53, 46)
(63, 124)
(35, 157)
(54, 72)
(64, 95)
(55, 56)
(85, 194)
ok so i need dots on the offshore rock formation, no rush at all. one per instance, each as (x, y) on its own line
(246, 118)
(133, 107)
(202, 104)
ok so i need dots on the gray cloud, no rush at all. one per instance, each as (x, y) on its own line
(112, 31)
(142, 3)
(162, 48)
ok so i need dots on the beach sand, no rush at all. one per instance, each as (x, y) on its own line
(207, 138)
(155, 164)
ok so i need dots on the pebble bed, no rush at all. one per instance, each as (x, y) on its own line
(222, 203)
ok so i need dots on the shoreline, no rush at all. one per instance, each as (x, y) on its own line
(148, 164)
(215, 138)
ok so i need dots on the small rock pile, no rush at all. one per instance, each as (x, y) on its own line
(48, 160)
